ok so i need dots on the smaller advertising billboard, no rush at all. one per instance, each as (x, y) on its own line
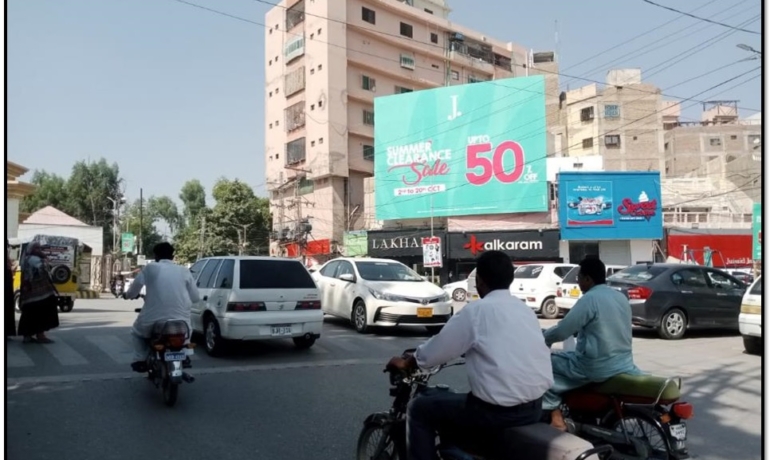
(756, 230)
(610, 206)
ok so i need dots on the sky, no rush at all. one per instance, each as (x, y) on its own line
(172, 92)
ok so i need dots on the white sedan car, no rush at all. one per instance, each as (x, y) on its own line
(381, 293)
(750, 319)
(457, 290)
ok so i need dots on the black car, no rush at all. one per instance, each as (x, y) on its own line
(673, 298)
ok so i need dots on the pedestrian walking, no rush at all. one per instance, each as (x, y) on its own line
(10, 305)
(39, 312)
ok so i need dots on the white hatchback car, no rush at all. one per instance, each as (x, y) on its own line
(536, 285)
(381, 292)
(255, 298)
(457, 290)
(750, 319)
(569, 292)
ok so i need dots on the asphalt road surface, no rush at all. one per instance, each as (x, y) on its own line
(77, 399)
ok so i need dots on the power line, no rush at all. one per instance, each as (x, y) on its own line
(700, 18)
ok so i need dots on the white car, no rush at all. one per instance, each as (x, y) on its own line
(381, 292)
(569, 292)
(750, 319)
(536, 285)
(457, 290)
(255, 298)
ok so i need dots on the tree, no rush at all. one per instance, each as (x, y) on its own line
(51, 191)
(162, 208)
(90, 188)
(239, 218)
(193, 197)
(142, 223)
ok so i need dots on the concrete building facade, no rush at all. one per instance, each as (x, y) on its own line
(15, 191)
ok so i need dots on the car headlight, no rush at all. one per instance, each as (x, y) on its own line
(384, 296)
(445, 298)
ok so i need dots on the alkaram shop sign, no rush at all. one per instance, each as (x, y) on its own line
(462, 150)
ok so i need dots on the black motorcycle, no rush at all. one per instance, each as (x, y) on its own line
(383, 436)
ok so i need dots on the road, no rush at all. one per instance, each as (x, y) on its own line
(77, 399)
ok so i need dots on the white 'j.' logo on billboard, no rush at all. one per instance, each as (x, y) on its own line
(455, 113)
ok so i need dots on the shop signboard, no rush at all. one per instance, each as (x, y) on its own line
(519, 245)
(756, 230)
(354, 243)
(388, 244)
(729, 248)
(431, 251)
(127, 242)
(459, 150)
(610, 205)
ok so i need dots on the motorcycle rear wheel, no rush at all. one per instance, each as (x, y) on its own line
(643, 430)
(170, 393)
(368, 443)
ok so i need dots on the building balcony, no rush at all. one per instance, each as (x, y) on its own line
(469, 61)
(707, 220)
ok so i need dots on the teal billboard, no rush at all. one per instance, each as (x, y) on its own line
(756, 231)
(461, 150)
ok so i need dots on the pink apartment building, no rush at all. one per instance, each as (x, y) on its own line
(326, 62)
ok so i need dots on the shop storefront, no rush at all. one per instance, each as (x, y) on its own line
(616, 216)
(719, 248)
(521, 245)
(404, 246)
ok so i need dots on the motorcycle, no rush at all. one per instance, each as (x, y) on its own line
(383, 436)
(168, 358)
(117, 289)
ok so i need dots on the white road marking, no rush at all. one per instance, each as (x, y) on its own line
(65, 354)
(118, 350)
(16, 357)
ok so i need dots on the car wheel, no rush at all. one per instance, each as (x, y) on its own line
(358, 317)
(303, 343)
(69, 304)
(752, 345)
(549, 310)
(459, 295)
(16, 298)
(673, 325)
(212, 337)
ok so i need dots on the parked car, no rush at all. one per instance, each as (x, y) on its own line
(673, 298)
(255, 298)
(569, 292)
(750, 319)
(536, 285)
(381, 292)
(457, 290)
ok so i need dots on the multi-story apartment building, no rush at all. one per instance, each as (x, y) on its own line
(622, 122)
(325, 65)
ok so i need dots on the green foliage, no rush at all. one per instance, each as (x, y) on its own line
(144, 226)
(51, 191)
(193, 197)
(163, 208)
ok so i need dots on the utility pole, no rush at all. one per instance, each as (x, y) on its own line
(141, 220)
(203, 237)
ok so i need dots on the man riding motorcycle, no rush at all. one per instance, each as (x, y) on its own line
(601, 319)
(508, 362)
(171, 292)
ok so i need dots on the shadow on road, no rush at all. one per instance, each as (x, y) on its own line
(646, 333)
(401, 331)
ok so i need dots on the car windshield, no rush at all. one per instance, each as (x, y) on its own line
(637, 273)
(757, 288)
(528, 272)
(571, 277)
(387, 271)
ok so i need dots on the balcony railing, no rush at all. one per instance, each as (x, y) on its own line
(707, 220)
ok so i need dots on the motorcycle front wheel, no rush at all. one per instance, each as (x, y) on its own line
(170, 393)
(374, 443)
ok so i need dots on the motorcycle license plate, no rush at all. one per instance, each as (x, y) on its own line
(280, 330)
(678, 432)
(424, 312)
(175, 356)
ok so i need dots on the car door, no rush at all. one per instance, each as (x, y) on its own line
(326, 283)
(222, 286)
(696, 296)
(198, 307)
(345, 291)
(729, 295)
(206, 281)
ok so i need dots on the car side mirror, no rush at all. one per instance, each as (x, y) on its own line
(349, 277)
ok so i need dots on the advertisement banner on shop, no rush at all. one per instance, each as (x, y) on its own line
(389, 244)
(756, 230)
(519, 245)
(459, 150)
(610, 205)
(431, 252)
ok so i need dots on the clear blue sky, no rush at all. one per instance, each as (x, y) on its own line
(172, 92)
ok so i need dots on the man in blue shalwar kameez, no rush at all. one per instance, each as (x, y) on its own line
(601, 319)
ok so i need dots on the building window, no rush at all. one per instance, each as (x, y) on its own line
(612, 141)
(433, 38)
(294, 49)
(428, 11)
(475, 79)
(319, 32)
(368, 117)
(755, 140)
(271, 126)
(312, 143)
(320, 104)
(277, 122)
(312, 71)
(305, 186)
(407, 61)
(320, 66)
(369, 152)
(407, 30)
(312, 36)
(295, 151)
(270, 62)
(294, 81)
(587, 114)
(295, 14)
(312, 107)
(715, 141)
(368, 15)
(611, 111)
(295, 116)
(402, 90)
(733, 137)
(588, 143)
(368, 83)
(455, 75)
(321, 140)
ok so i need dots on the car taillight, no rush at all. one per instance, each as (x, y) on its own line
(246, 306)
(558, 292)
(683, 410)
(309, 305)
(639, 293)
(175, 341)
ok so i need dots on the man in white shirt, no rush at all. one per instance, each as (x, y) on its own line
(508, 362)
(171, 292)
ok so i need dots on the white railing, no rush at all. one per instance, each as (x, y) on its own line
(707, 220)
